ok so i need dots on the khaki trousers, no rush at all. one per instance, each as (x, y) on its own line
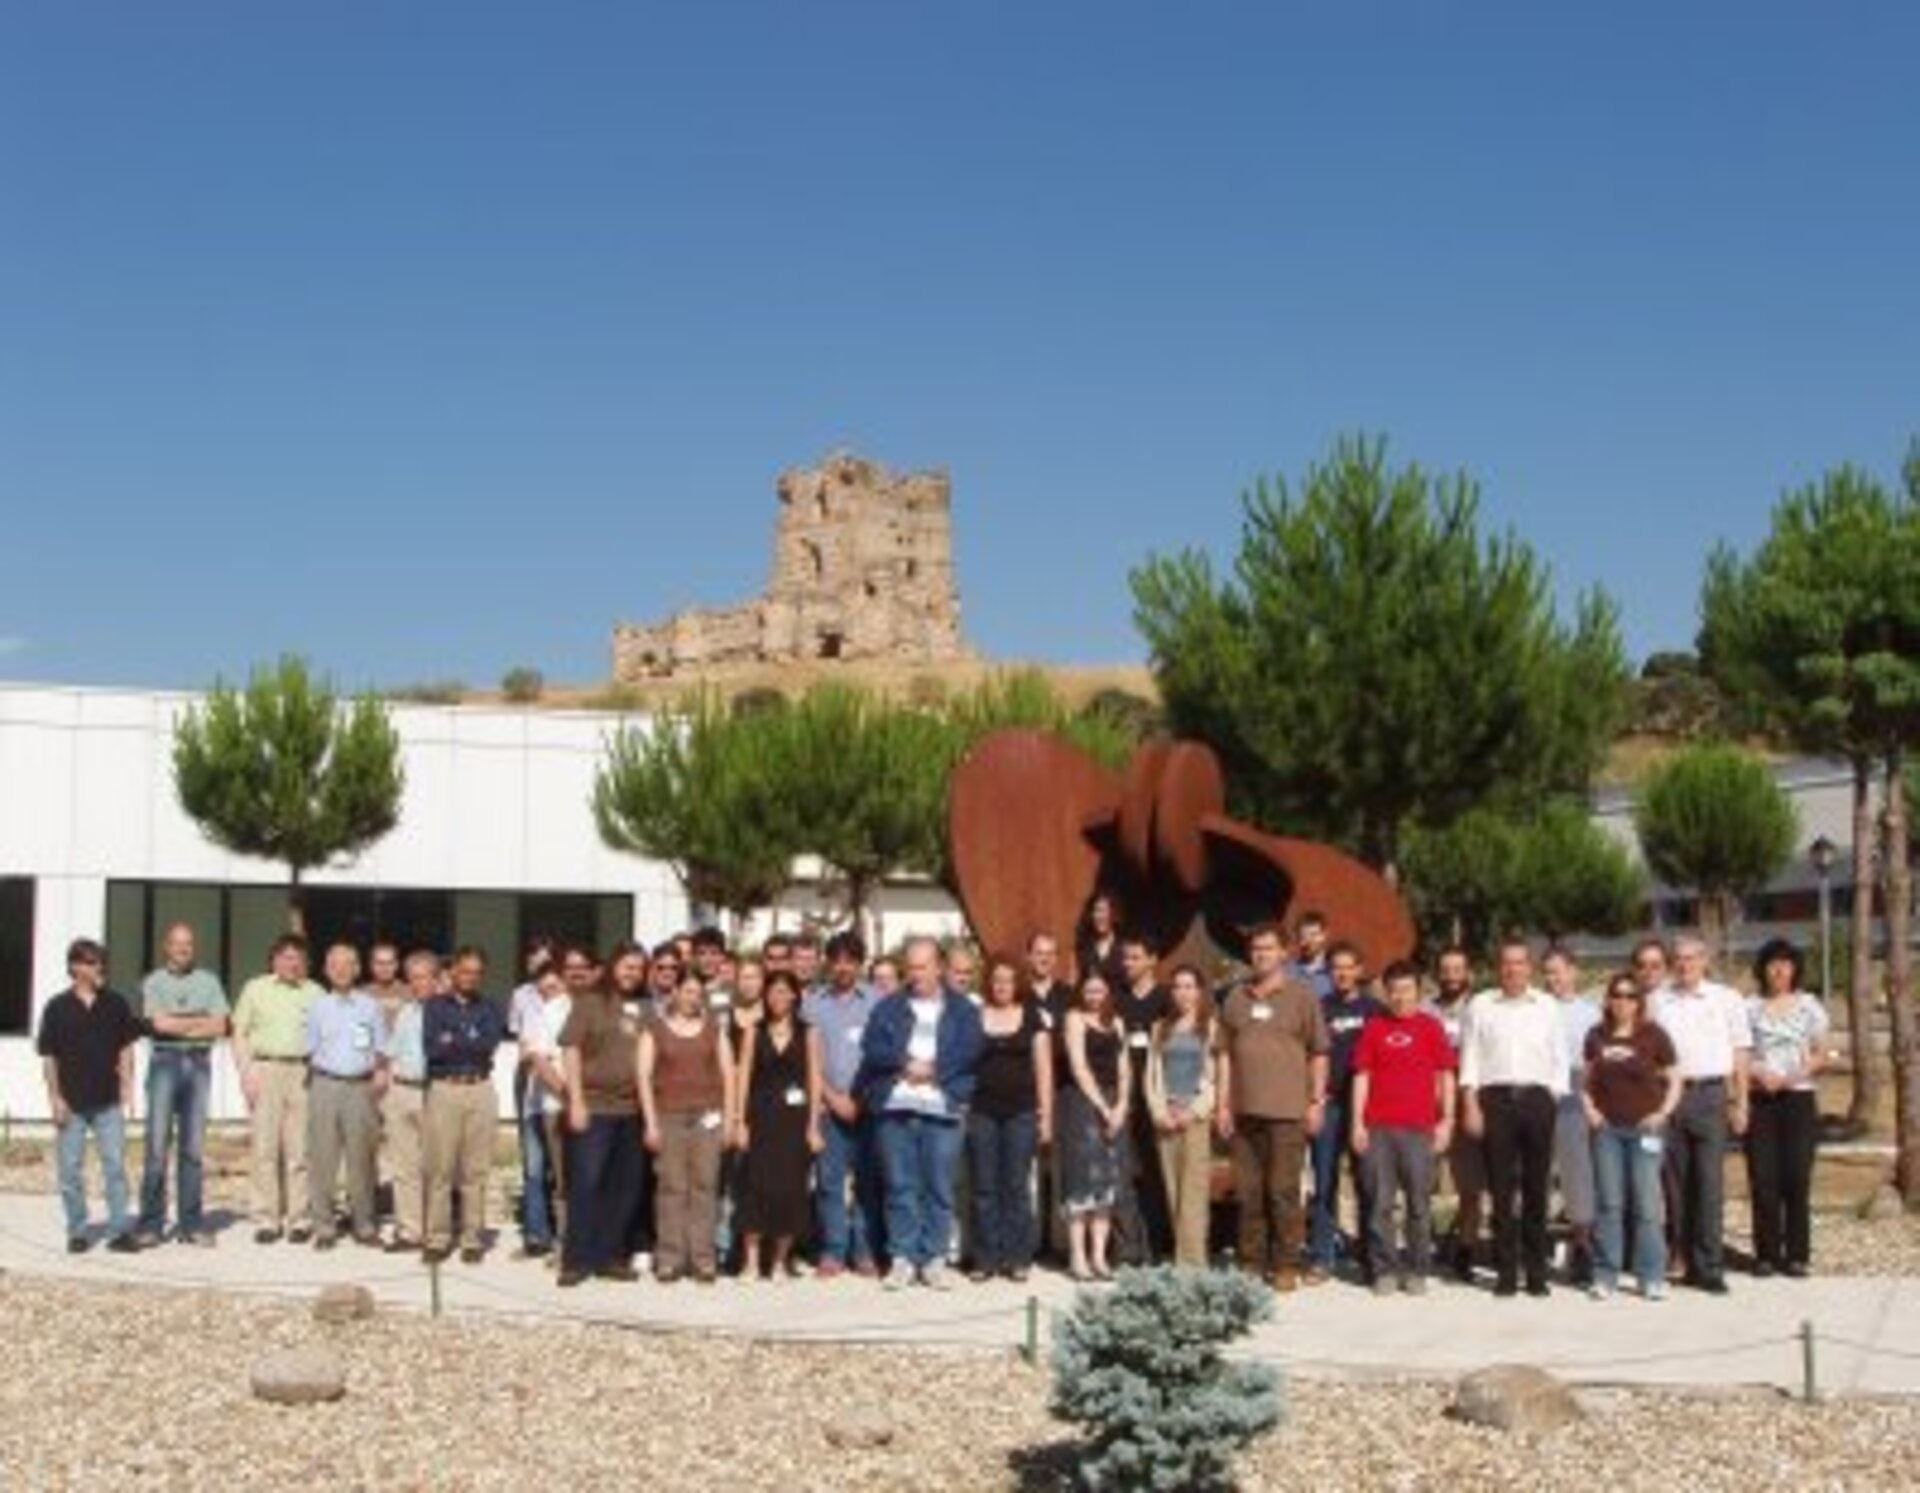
(342, 1125)
(278, 1146)
(1186, 1164)
(461, 1119)
(403, 1125)
(687, 1194)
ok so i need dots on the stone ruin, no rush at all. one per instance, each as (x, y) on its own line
(862, 569)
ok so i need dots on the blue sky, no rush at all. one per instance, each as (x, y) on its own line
(429, 339)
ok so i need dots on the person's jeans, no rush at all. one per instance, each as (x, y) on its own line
(1329, 1153)
(179, 1084)
(604, 1172)
(1626, 1176)
(536, 1180)
(1696, 1161)
(1267, 1160)
(1000, 1156)
(1399, 1163)
(1573, 1161)
(109, 1133)
(849, 1236)
(920, 1154)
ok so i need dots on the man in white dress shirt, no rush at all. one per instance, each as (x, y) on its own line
(1513, 1072)
(1714, 1040)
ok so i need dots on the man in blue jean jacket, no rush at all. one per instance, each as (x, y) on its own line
(918, 1060)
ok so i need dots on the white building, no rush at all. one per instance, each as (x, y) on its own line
(496, 843)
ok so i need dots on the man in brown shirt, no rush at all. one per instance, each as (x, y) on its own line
(1272, 1045)
(605, 1165)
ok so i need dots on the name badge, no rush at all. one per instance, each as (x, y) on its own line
(1046, 1018)
(1261, 1011)
(796, 1096)
(363, 1039)
(710, 1120)
(1138, 1041)
(1652, 1144)
(855, 1033)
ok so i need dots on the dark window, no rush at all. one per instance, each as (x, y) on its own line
(16, 955)
(831, 644)
(235, 924)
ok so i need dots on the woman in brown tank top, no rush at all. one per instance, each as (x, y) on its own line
(686, 1093)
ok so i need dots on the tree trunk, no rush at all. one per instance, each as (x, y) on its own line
(1898, 874)
(1716, 921)
(296, 904)
(1866, 1075)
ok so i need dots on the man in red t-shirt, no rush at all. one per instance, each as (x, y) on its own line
(1403, 1091)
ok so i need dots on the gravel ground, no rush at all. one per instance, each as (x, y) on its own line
(472, 1405)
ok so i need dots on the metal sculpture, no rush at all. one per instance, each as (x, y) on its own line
(1037, 827)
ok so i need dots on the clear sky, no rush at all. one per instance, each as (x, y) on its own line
(430, 339)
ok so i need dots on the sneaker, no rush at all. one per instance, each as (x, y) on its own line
(1286, 1280)
(147, 1238)
(624, 1273)
(568, 1278)
(643, 1262)
(435, 1254)
(1016, 1273)
(1654, 1290)
(830, 1269)
(199, 1239)
(78, 1244)
(1385, 1285)
(900, 1277)
(1314, 1275)
(299, 1236)
(935, 1277)
(123, 1244)
(1600, 1291)
(472, 1255)
(266, 1236)
(324, 1241)
(1539, 1289)
(866, 1270)
(1414, 1285)
(1795, 1270)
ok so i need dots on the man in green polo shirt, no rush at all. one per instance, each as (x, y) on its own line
(184, 1010)
(270, 1053)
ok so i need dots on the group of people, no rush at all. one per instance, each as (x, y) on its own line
(688, 1112)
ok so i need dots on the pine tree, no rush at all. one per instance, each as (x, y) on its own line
(281, 770)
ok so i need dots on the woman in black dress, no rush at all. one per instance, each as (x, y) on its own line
(779, 1128)
(1093, 1116)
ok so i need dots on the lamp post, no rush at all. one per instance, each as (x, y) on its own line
(1821, 853)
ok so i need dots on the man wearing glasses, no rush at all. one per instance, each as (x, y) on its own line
(85, 1044)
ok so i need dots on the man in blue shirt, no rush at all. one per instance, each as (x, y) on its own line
(1346, 1010)
(839, 1012)
(346, 1073)
(462, 1029)
(1312, 964)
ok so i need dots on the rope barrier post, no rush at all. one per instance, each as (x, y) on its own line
(433, 1278)
(1031, 1352)
(1810, 1384)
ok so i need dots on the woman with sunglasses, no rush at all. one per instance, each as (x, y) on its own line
(1633, 1085)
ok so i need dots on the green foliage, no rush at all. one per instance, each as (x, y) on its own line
(1025, 697)
(622, 699)
(760, 700)
(1373, 662)
(1674, 697)
(283, 771)
(523, 685)
(1136, 715)
(429, 692)
(1816, 636)
(708, 792)
(1140, 1368)
(1712, 818)
(1489, 874)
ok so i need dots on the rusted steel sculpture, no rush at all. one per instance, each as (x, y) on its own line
(1037, 826)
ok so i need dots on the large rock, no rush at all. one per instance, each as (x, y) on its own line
(1515, 1397)
(338, 1305)
(860, 1428)
(1883, 1206)
(299, 1376)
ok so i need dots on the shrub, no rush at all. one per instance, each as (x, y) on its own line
(1140, 1369)
(430, 692)
(522, 686)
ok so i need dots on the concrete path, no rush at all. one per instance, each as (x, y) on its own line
(1867, 1331)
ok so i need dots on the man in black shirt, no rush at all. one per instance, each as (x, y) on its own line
(1346, 1010)
(1140, 1213)
(86, 1042)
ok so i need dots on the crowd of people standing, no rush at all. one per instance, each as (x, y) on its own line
(686, 1112)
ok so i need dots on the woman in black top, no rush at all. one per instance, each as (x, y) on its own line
(1093, 1115)
(1012, 1115)
(778, 1126)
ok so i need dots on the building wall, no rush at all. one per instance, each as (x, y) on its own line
(496, 800)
